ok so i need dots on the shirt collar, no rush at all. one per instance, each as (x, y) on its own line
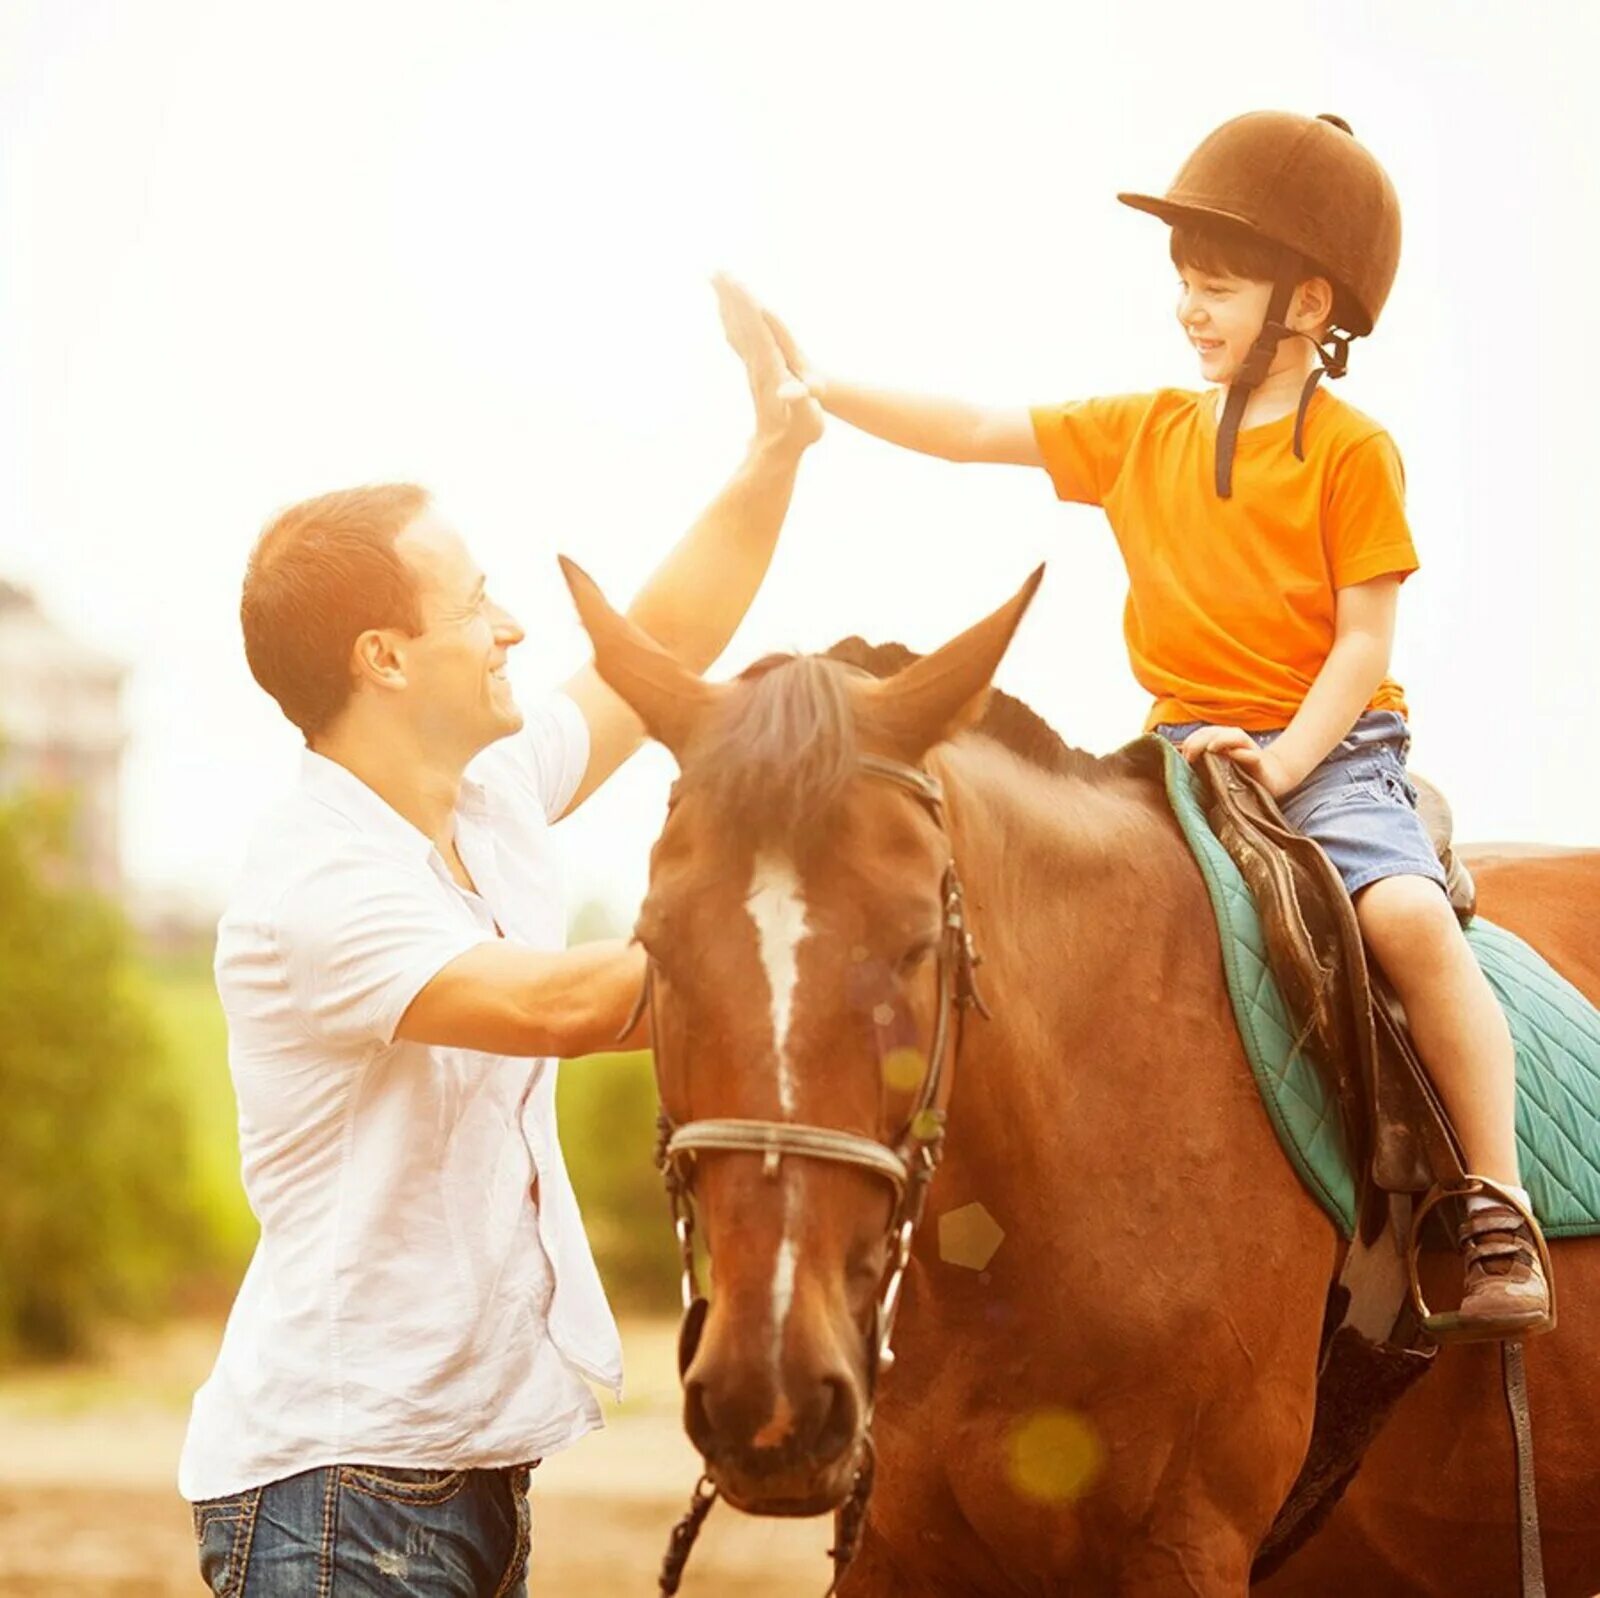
(343, 791)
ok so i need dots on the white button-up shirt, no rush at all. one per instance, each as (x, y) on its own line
(422, 1292)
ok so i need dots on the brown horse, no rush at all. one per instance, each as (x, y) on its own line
(1106, 1361)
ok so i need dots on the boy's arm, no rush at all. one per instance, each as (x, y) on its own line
(947, 428)
(1358, 661)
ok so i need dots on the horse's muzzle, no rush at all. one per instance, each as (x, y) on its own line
(773, 1449)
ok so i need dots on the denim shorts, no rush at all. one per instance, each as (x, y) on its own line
(1359, 804)
(361, 1531)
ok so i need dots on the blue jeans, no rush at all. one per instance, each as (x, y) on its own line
(1359, 804)
(370, 1531)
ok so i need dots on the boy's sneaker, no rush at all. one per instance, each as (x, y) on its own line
(1506, 1295)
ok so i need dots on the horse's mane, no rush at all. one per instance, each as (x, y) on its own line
(784, 751)
(1008, 721)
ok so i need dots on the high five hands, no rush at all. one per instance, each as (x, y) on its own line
(785, 411)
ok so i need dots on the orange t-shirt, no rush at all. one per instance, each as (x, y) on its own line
(1230, 611)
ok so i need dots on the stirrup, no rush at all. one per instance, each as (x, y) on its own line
(1448, 1326)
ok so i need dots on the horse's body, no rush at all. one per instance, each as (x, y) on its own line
(1162, 1275)
(1107, 1351)
(1435, 1497)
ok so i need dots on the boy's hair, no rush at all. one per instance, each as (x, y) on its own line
(322, 573)
(1239, 252)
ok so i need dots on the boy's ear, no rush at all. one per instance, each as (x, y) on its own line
(1314, 303)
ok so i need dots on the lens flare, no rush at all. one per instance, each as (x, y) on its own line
(1052, 1456)
(969, 1236)
(903, 1070)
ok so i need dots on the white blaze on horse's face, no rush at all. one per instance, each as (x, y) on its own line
(778, 910)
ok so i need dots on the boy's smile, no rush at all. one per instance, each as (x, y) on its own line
(1221, 315)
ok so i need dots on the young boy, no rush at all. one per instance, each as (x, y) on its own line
(1263, 528)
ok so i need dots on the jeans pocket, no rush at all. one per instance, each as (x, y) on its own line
(403, 1484)
(1402, 787)
(223, 1529)
(1378, 774)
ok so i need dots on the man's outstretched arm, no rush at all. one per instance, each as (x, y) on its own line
(695, 600)
(504, 998)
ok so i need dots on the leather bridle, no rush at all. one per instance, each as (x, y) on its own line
(908, 1164)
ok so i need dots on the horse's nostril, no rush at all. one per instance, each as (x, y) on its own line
(836, 1428)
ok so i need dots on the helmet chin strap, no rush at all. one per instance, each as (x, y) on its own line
(1334, 360)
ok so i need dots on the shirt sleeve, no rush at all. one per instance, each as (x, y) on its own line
(546, 760)
(1085, 442)
(359, 940)
(1365, 530)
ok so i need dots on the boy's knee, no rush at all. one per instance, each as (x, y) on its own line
(1406, 920)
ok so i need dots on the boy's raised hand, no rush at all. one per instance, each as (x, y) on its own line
(785, 410)
(793, 355)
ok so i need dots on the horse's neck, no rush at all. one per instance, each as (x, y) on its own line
(1085, 906)
(1059, 861)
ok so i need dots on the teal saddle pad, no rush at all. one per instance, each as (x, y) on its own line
(1555, 1028)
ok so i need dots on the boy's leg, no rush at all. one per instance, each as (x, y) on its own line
(1456, 1022)
(1463, 1040)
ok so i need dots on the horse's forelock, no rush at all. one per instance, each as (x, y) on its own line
(781, 751)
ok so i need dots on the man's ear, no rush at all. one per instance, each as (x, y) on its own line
(375, 659)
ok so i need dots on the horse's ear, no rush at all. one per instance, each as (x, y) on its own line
(938, 695)
(666, 696)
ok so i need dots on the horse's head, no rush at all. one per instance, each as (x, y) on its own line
(807, 953)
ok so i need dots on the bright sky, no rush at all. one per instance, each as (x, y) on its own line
(256, 252)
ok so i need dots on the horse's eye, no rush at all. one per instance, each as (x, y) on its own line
(864, 1267)
(917, 955)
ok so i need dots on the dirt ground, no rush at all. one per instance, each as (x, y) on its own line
(88, 1506)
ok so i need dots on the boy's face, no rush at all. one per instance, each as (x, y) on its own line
(1221, 316)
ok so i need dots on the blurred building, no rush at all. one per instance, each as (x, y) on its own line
(62, 727)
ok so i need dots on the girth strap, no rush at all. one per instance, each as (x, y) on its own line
(1530, 1556)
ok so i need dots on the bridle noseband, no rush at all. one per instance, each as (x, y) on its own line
(907, 1164)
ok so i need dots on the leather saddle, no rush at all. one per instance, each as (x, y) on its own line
(1399, 1135)
(1349, 1019)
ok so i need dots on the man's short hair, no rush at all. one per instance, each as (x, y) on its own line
(322, 573)
(1238, 252)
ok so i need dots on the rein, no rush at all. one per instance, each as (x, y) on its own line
(908, 1164)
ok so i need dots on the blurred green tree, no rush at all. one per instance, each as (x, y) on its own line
(606, 1106)
(95, 1213)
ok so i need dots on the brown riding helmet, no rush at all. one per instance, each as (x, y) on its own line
(1304, 183)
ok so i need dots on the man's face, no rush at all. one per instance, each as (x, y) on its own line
(456, 690)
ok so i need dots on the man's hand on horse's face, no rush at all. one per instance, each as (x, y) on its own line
(1234, 742)
(785, 412)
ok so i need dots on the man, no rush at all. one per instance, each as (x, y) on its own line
(421, 1312)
